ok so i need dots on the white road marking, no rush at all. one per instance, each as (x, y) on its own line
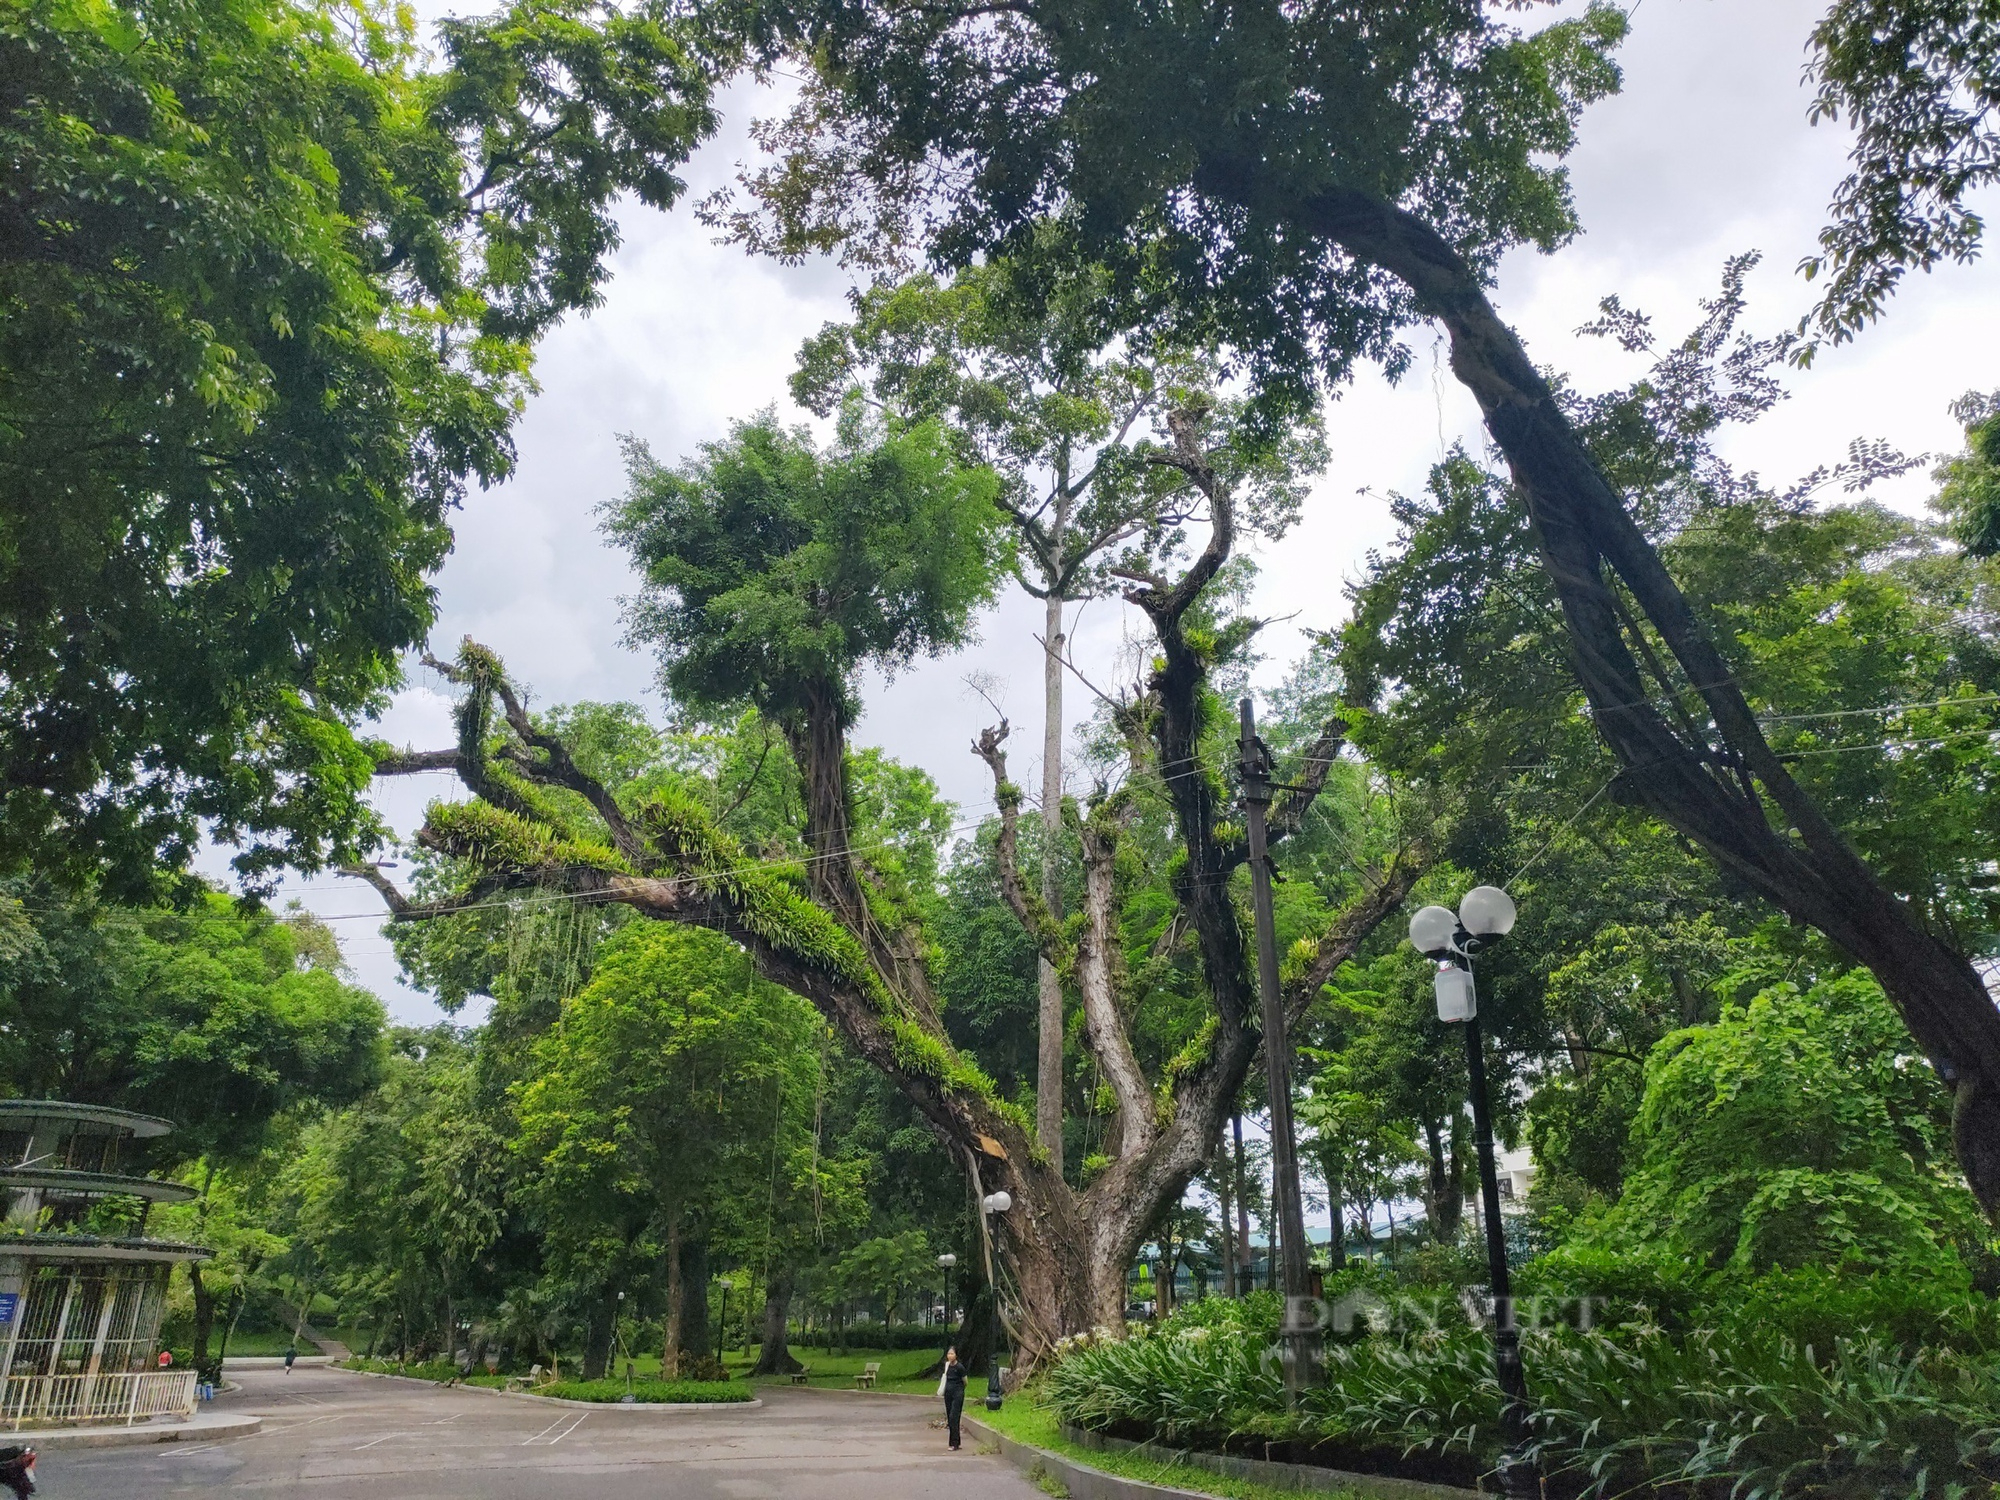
(332, 1416)
(543, 1433)
(544, 1436)
(374, 1440)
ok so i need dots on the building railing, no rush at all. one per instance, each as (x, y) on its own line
(109, 1397)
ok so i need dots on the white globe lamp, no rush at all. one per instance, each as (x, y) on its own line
(1432, 929)
(1487, 912)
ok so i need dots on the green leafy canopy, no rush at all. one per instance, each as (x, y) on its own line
(269, 280)
(773, 569)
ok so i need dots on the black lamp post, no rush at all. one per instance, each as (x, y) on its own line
(1484, 916)
(994, 1203)
(945, 1263)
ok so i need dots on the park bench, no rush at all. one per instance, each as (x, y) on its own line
(528, 1381)
(865, 1381)
(801, 1375)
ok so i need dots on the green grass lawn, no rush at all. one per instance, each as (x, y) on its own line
(1026, 1422)
(251, 1345)
(898, 1373)
(828, 1371)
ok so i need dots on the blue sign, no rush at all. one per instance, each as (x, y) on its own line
(8, 1302)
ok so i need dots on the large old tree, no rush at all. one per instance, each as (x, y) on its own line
(1041, 388)
(1308, 180)
(776, 573)
(270, 282)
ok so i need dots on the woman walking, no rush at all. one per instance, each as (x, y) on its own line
(952, 1388)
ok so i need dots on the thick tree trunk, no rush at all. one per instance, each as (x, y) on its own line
(1049, 996)
(774, 1356)
(687, 1301)
(597, 1333)
(974, 1341)
(204, 1322)
(1709, 792)
(697, 1332)
(670, 1326)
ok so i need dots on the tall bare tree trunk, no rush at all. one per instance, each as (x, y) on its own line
(670, 1343)
(1330, 1169)
(1242, 1207)
(1049, 1011)
(1226, 1201)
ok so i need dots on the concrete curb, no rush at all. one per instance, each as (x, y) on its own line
(646, 1406)
(1081, 1482)
(1086, 1483)
(207, 1428)
(1281, 1476)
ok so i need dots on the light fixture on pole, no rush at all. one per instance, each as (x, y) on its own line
(995, 1204)
(1484, 916)
(945, 1263)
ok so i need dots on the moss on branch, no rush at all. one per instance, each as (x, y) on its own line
(493, 839)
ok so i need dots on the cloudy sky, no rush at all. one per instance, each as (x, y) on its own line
(1705, 154)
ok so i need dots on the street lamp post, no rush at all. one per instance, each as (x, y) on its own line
(945, 1263)
(994, 1203)
(1484, 916)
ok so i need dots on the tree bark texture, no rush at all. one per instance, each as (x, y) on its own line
(204, 1321)
(1048, 993)
(598, 1330)
(670, 1325)
(774, 1355)
(1725, 790)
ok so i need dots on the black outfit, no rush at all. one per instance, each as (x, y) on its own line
(954, 1397)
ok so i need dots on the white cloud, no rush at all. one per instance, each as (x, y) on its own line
(1705, 154)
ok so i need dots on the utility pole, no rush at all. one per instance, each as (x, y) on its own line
(1300, 1330)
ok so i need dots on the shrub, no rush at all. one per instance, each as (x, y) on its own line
(651, 1391)
(1613, 1409)
(430, 1369)
(881, 1336)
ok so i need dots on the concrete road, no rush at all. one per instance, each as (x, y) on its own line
(333, 1435)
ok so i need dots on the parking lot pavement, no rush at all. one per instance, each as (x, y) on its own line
(332, 1435)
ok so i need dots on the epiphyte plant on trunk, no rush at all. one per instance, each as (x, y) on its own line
(1036, 383)
(1306, 182)
(775, 573)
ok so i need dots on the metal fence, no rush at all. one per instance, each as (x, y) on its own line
(108, 1397)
